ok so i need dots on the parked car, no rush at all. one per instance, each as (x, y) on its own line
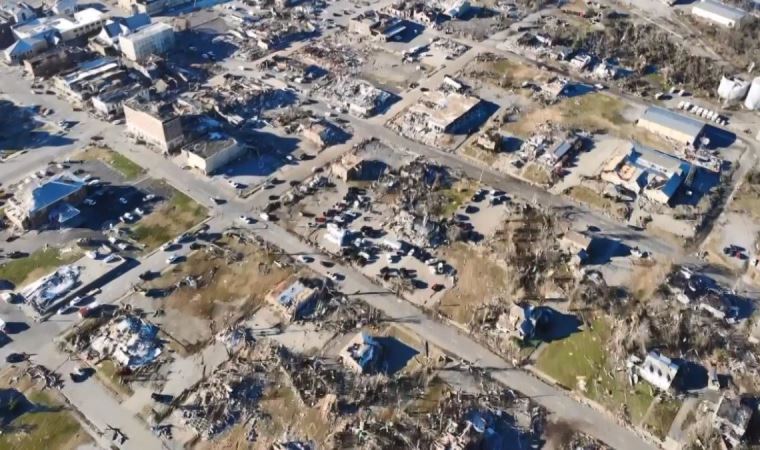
(172, 259)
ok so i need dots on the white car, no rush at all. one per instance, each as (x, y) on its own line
(123, 200)
(246, 219)
(172, 259)
(89, 202)
(149, 197)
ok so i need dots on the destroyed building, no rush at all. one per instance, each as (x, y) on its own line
(361, 98)
(658, 370)
(229, 396)
(44, 294)
(129, 341)
(377, 25)
(292, 296)
(363, 354)
(731, 419)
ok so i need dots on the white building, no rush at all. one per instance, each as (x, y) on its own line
(156, 38)
(719, 13)
(85, 22)
(658, 370)
(210, 154)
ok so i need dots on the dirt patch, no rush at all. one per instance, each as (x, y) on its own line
(480, 279)
(171, 218)
(217, 285)
(588, 196)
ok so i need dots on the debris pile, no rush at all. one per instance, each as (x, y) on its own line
(229, 396)
(43, 294)
(129, 340)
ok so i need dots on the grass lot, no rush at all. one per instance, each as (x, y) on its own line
(458, 194)
(537, 174)
(120, 163)
(107, 371)
(588, 196)
(473, 151)
(40, 263)
(593, 111)
(480, 280)
(661, 417)
(747, 197)
(46, 425)
(170, 219)
(506, 73)
(580, 362)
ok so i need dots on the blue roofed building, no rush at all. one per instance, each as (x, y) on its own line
(362, 354)
(646, 171)
(671, 125)
(292, 297)
(49, 202)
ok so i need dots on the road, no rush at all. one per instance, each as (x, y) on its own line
(94, 402)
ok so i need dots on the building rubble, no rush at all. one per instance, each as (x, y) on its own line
(129, 340)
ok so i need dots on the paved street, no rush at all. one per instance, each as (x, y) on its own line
(94, 401)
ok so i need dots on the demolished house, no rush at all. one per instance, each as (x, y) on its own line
(731, 419)
(227, 397)
(293, 296)
(359, 97)
(128, 340)
(45, 294)
(524, 321)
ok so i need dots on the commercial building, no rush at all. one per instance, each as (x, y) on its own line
(85, 22)
(445, 111)
(719, 13)
(155, 122)
(110, 101)
(212, 152)
(671, 125)
(37, 35)
(51, 202)
(644, 170)
(90, 78)
(153, 39)
(150, 7)
(117, 27)
(378, 25)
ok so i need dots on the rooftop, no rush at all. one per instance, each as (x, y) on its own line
(444, 108)
(149, 30)
(210, 145)
(720, 9)
(53, 190)
(674, 121)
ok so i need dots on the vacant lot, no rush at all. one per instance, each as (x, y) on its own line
(38, 420)
(40, 263)
(125, 166)
(481, 279)
(590, 197)
(747, 197)
(580, 362)
(537, 173)
(228, 282)
(504, 72)
(177, 214)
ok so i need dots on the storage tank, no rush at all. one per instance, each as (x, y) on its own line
(753, 96)
(732, 89)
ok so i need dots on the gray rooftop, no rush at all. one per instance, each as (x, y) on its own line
(210, 145)
(674, 121)
(720, 9)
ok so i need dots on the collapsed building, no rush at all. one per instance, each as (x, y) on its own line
(230, 395)
(294, 296)
(357, 96)
(44, 294)
(129, 341)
